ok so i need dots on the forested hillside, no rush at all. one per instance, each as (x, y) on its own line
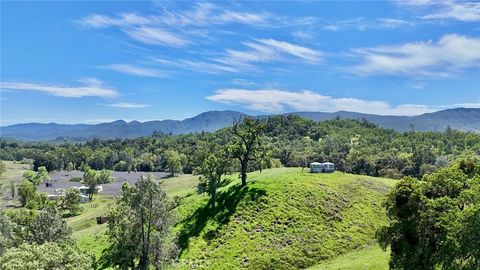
(280, 218)
(465, 119)
(357, 147)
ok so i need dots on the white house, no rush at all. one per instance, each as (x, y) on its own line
(316, 167)
(84, 189)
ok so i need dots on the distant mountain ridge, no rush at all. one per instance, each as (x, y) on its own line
(466, 119)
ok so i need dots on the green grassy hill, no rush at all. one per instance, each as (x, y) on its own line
(283, 219)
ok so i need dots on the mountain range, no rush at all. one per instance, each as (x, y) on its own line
(466, 119)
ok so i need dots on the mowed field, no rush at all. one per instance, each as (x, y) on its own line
(14, 172)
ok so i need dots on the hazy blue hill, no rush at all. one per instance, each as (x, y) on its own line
(460, 118)
(38, 131)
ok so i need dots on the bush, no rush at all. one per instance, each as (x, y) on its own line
(76, 179)
(47, 256)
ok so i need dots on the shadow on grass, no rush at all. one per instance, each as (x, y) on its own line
(226, 205)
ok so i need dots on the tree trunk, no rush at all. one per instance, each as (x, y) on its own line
(244, 173)
(212, 200)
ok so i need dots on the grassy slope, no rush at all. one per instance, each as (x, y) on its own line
(283, 219)
(369, 258)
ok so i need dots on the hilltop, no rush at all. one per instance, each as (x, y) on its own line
(461, 118)
(283, 219)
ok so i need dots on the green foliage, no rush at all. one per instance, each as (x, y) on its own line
(69, 166)
(32, 227)
(13, 188)
(3, 168)
(247, 144)
(175, 161)
(91, 179)
(29, 197)
(47, 256)
(38, 177)
(105, 177)
(212, 169)
(6, 233)
(434, 222)
(70, 201)
(76, 179)
(138, 227)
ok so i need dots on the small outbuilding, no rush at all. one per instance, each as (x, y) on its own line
(326, 167)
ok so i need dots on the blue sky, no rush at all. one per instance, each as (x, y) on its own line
(77, 62)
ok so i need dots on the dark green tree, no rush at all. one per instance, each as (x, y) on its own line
(70, 201)
(212, 169)
(90, 179)
(175, 161)
(139, 226)
(433, 221)
(247, 144)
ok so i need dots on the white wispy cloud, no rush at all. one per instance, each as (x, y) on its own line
(467, 11)
(173, 28)
(276, 101)
(90, 87)
(127, 105)
(136, 70)
(201, 14)
(243, 82)
(452, 53)
(155, 36)
(200, 22)
(257, 51)
(363, 24)
(267, 50)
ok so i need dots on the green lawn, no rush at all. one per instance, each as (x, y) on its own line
(369, 258)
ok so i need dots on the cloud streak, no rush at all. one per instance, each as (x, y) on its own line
(202, 14)
(136, 70)
(90, 87)
(155, 36)
(277, 101)
(127, 105)
(363, 24)
(466, 11)
(452, 53)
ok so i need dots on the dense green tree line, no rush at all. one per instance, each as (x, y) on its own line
(354, 146)
(435, 221)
